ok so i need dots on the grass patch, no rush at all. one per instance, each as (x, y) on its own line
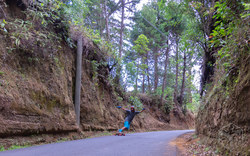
(17, 147)
(2, 149)
(1, 73)
(13, 147)
(105, 133)
(62, 140)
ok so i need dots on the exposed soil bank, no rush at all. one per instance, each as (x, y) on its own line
(224, 115)
(189, 144)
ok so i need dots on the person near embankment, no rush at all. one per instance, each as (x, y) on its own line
(130, 114)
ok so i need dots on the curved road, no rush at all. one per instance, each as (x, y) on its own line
(136, 144)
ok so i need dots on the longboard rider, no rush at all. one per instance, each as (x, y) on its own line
(130, 114)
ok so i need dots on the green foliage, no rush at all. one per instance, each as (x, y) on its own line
(136, 64)
(23, 35)
(229, 33)
(141, 46)
(134, 100)
(62, 140)
(56, 61)
(141, 49)
(174, 14)
(3, 23)
(79, 13)
(77, 10)
(183, 28)
(14, 147)
(144, 20)
(222, 29)
(246, 13)
(1, 73)
(132, 72)
(35, 30)
(17, 147)
(194, 106)
(2, 148)
(94, 65)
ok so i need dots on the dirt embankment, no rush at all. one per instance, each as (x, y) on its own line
(224, 117)
(189, 144)
(37, 74)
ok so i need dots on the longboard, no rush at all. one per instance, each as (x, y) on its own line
(119, 134)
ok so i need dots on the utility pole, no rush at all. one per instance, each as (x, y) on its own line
(78, 79)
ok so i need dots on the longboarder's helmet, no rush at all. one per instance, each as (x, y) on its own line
(132, 108)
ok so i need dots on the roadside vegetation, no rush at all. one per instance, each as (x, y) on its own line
(14, 147)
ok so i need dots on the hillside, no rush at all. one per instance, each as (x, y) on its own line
(229, 104)
(37, 82)
(223, 120)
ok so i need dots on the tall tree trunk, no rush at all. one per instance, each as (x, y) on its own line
(183, 80)
(156, 69)
(136, 84)
(78, 79)
(190, 100)
(122, 28)
(100, 18)
(136, 81)
(143, 75)
(208, 58)
(106, 19)
(118, 73)
(149, 85)
(143, 84)
(165, 75)
(176, 73)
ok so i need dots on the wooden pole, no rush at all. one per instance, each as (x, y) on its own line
(78, 79)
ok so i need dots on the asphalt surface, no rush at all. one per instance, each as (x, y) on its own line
(136, 144)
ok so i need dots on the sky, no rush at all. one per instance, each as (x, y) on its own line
(142, 2)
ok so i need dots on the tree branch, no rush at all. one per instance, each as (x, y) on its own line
(115, 8)
(3, 11)
(118, 6)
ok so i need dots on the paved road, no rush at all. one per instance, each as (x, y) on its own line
(137, 144)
